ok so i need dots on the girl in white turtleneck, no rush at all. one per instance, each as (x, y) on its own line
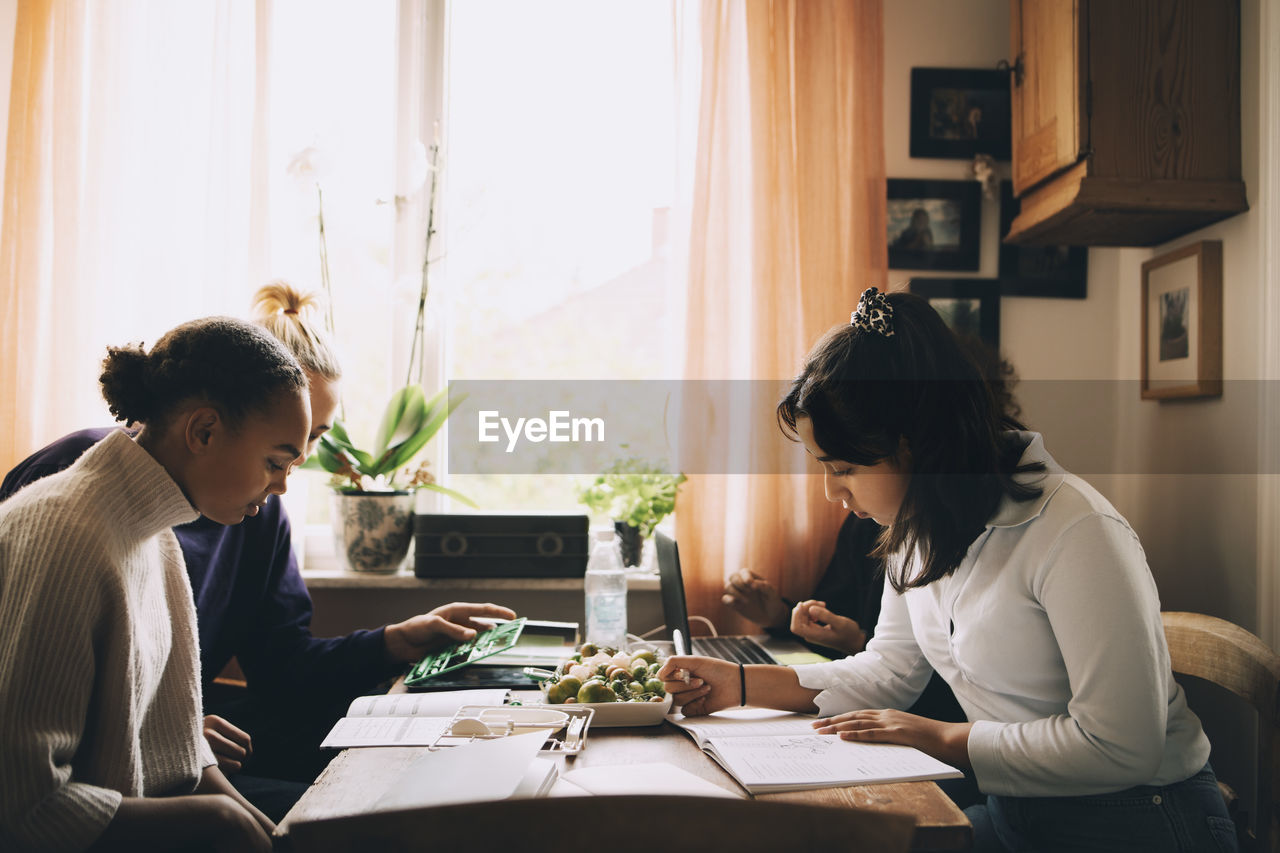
(99, 670)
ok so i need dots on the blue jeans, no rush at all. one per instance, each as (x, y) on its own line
(1186, 817)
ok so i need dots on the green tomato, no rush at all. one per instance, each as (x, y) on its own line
(554, 694)
(596, 691)
(645, 655)
(569, 686)
(654, 685)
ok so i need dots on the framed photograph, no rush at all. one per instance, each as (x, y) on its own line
(934, 225)
(969, 306)
(959, 112)
(1060, 272)
(1182, 323)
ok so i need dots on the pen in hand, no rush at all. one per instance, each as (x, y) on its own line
(677, 639)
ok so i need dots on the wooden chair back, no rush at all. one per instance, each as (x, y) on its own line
(622, 824)
(1232, 658)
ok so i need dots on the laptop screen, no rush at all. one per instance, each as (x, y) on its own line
(675, 610)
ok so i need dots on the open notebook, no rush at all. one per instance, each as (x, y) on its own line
(769, 751)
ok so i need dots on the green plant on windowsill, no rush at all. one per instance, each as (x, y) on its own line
(409, 422)
(637, 495)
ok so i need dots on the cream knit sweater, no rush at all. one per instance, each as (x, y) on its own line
(99, 669)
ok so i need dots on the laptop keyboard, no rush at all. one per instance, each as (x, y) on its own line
(736, 649)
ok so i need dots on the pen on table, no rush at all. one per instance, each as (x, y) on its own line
(677, 639)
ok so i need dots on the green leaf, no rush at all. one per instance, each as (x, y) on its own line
(402, 454)
(340, 446)
(457, 496)
(329, 456)
(402, 419)
(338, 432)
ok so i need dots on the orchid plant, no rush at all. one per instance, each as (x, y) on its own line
(411, 419)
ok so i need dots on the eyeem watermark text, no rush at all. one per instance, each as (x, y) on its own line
(558, 427)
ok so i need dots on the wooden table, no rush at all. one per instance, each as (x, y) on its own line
(357, 778)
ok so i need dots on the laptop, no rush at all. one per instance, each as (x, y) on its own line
(675, 611)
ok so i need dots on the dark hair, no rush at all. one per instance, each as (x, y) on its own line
(865, 393)
(233, 366)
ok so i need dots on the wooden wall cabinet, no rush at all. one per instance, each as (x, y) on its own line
(1126, 119)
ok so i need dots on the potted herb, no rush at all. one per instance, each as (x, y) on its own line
(374, 489)
(637, 496)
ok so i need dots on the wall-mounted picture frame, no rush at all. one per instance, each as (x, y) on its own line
(959, 112)
(1182, 323)
(1058, 272)
(933, 225)
(969, 306)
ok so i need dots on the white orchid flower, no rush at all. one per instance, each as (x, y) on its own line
(307, 165)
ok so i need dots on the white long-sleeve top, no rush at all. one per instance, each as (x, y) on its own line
(1049, 633)
(99, 671)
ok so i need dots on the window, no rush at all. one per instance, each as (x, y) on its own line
(557, 180)
(560, 168)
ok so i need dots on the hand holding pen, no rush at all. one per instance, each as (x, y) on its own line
(700, 685)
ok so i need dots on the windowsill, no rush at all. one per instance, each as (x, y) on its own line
(321, 570)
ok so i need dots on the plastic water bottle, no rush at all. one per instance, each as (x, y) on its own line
(606, 586)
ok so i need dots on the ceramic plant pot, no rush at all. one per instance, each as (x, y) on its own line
(371, 530)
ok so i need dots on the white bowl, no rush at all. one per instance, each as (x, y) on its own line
(615, 714)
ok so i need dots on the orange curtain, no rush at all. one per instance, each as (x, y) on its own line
(28, 200)
(134, 193)
(787, 229)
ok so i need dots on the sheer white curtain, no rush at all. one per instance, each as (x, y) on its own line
(133, 195)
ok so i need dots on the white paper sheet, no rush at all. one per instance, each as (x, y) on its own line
(480, 771)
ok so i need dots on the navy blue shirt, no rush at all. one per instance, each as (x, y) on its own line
(251, 602)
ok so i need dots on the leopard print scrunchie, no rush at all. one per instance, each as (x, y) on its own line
(874, 313)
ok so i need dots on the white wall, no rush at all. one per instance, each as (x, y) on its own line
(1200, 531)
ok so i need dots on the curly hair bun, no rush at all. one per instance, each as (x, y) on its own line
(234, 366)
(125, 383)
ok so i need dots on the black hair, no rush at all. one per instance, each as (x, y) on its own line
(865, 394)
(236, 367)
